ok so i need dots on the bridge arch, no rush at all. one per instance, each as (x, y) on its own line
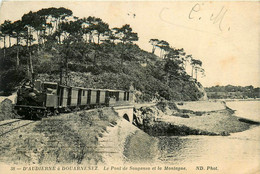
(125, 116)
(126, 112)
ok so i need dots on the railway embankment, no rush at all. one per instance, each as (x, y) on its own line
(121, 144)
(72, 138)
(90, 137)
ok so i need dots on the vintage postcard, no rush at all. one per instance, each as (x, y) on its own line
(129, 87)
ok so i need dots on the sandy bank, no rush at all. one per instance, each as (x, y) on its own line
(201, 106)
(217, 122)
(192, 118)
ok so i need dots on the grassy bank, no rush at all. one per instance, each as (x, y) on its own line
(66, 139)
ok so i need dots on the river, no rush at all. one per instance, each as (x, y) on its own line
(239, 152)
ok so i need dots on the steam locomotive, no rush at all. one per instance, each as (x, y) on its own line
(42, 99)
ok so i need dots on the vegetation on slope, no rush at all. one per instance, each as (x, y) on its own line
(52, 44)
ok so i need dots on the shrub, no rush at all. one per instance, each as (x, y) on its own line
(161, 106)
(10, 79)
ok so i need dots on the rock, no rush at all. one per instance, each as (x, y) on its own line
(6, 110)
(197, 113)
(185, 116)
(224, 133)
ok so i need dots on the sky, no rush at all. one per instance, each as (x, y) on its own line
(225, 36)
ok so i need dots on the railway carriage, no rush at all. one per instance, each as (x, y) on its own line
(92, 97)
(82, 97)
(73, 97)
(104, 97)
(63, 95)
(121, 95)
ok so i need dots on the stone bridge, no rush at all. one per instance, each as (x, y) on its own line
(127, 112)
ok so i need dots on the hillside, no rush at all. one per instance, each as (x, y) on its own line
(94, 56)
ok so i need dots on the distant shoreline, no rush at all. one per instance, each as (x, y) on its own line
(230, 100)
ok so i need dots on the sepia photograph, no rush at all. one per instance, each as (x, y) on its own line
(129, 87)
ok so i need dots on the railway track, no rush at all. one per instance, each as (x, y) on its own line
(11, 126)
(9, 122)
(8, 126)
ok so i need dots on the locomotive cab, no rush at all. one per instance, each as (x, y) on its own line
(28, 95)
(50, 89)
(33, 99)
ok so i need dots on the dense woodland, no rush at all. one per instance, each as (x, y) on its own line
(233, 92)
(52, 44)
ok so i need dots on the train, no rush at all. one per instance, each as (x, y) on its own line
(39, 99)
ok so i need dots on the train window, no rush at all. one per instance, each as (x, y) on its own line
(50, 88)
(50, 85)
(124, 96)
